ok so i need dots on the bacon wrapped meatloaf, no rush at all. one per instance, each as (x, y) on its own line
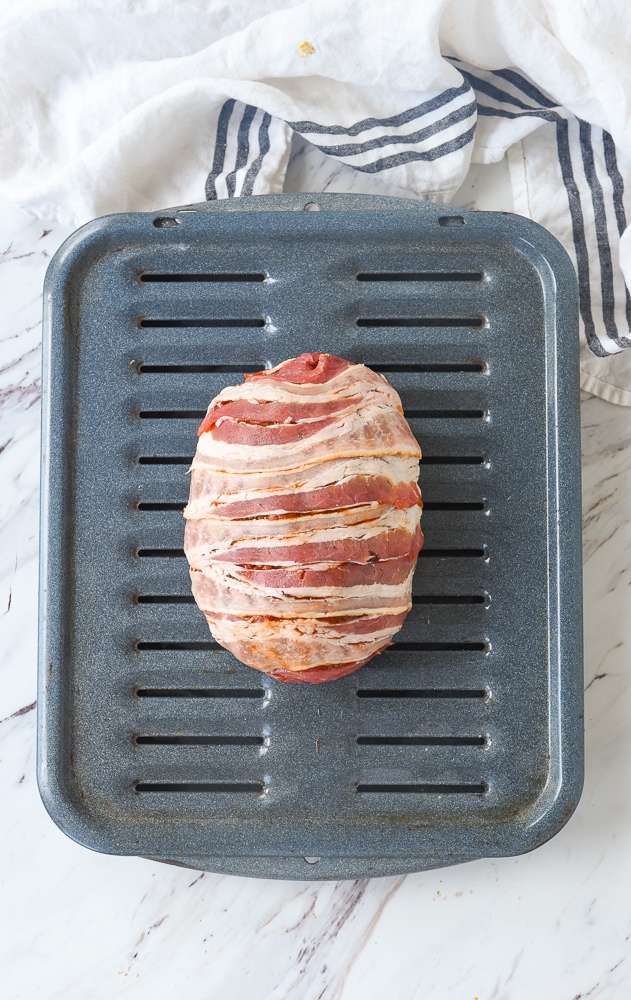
(303, 522)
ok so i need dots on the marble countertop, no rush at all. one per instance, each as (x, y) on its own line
(74, 925)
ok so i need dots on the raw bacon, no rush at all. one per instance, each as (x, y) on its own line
(308, 368)
(355, 491)
(303, 522)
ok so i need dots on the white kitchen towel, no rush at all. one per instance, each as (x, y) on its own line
(119, 105)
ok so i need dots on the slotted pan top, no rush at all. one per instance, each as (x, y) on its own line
(464, 739)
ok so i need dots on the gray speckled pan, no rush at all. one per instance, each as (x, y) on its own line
(462, 741)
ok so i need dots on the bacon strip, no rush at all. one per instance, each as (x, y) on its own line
(254, 435)
(303, 521)
(209, 538)
(396, 477)
(317, 643)
(357, 491)
(318, 675)
(345, 574)
(271, 412)
(386, 545)
(221, 589)
(314, 368)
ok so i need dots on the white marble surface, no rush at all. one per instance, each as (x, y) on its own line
(552, 925)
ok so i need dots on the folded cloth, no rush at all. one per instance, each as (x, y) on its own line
(135, 105)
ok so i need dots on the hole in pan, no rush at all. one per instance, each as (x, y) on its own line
(200, 786)
(480, 788)
(199, 323)
(422, 741)
(421, 276)
(440, 321)
(199, 692)
(200, 741)
(479, 694)
(149, 369)
(147, 277)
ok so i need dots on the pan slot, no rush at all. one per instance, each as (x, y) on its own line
(432, 505)
(416, 599)
(199, 692)
(475, 367)
(247, 323)
(445, 414)
(428, 789)
(191, 647)
(431, 553)
(200, 786)
(164, 599)
(147, 369)
(200, 741)
(454, 459)
(158, 505)
(172, 415)
(447, 505)
(164, 460)
(428, 553)
(447, 366)
(409, 414)
(422, 741)
(241, 277)
(436, 647)
(477, 694)
(421, 276)
(433, 599)
(160, 553)
(475, 322)
(396, 647)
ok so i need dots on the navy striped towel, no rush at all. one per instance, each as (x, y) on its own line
(109, 107)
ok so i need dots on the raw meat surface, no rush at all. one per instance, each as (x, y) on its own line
(303, 522)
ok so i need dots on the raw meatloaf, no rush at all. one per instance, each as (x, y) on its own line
(303, 522)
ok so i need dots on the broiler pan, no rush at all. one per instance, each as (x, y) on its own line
(464, 739)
